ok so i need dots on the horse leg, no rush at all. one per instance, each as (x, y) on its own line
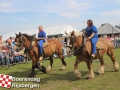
(101, 70)
(115, 64)
(33, 69)
(76, 72)
(51, 62)
(63, 61)
(91, 73)
(41, 68)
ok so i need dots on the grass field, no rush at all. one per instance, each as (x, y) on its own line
(59, 79)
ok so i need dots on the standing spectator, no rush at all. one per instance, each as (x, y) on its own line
(116, 41)
(113, 40)
(8, 56)
(2, 56)
(105, 36)
(10, 46)
(9, 52)
(1, 43)
(108, 38)
(119, 40)
(9, 41)
(101, 36)
(13, 41)
(63, 47)
(62, 42)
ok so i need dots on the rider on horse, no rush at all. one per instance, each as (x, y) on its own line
(92, 36)
(41, 38)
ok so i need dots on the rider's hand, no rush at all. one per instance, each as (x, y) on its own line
(89, 38)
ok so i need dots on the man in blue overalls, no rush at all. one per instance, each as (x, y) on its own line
(92, 36)
(41, 38)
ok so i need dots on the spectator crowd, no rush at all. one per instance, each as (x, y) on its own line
(9, 53)
(115, 39)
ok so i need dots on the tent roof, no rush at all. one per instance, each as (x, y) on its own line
(49, 31)
(108, 29)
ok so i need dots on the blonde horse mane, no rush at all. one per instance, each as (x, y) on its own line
(77, 33)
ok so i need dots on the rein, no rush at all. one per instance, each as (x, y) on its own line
(80, 48)
(21, 41)
(31, 44)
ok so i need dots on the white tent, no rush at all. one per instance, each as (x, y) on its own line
(49, 31)
(108, 29)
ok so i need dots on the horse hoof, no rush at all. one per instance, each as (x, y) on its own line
(43, 69)
(63, 67)
(116, 70)
(78, 76)
(89, 78)
(30, 76)
(101, 73)
(47, 71)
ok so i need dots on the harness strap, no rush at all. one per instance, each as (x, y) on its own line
(35, 54)
(82, 46)
(31, 44)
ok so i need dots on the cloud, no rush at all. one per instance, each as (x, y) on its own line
(70, 8)
(91, 12)
(22, 19)
(13, 18)
(78, 4)
(118, 1)
(4, 5)
(74, 9)
(43, 15)
(70, 15)
(111, 13)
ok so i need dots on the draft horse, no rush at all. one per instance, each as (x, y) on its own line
(82, 51)
(31, 47)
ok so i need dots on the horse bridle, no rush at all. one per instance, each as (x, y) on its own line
(22, 42)
(31, 44)
(79, 49)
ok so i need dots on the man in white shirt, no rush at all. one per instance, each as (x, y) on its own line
(2, 56)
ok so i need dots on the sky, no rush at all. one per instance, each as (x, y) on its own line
(17, 15)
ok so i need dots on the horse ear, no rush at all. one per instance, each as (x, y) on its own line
(66, 33)
(72, 33)
(19, 33)
(81, 33)
(15, 34)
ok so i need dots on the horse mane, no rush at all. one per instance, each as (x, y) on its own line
(78, 33)
(29, 37)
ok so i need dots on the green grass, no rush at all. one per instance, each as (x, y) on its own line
(59, 79)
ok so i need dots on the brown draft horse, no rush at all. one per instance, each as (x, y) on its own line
(31, 47)
(82, 51)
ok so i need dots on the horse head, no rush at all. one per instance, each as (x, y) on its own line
(69, 43)
(24, 40)
(19, 39)
(75, 39)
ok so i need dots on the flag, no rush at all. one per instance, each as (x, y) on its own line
(5, 80)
